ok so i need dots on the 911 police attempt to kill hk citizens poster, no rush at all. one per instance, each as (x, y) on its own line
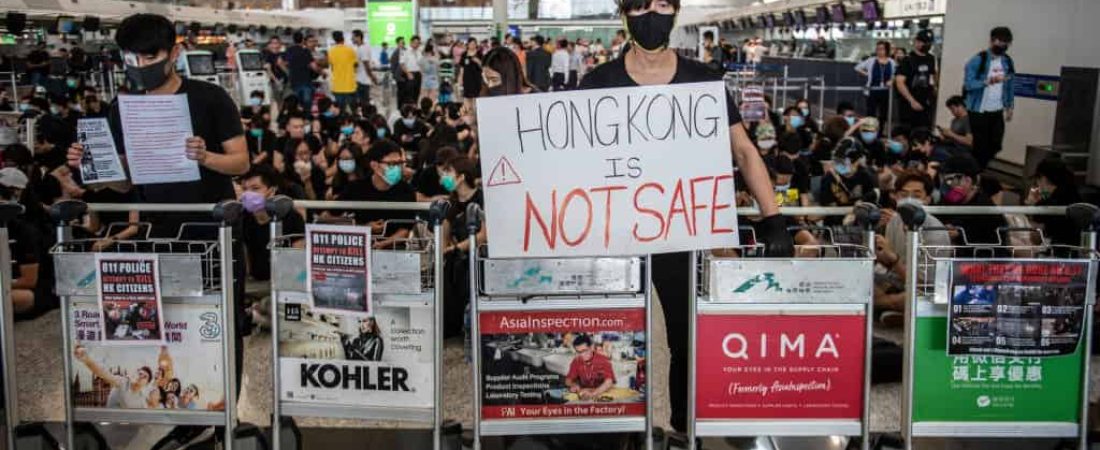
(1017, 308)
(338, 266)
(129, 298)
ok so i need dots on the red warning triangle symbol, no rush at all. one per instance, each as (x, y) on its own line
(503, 174)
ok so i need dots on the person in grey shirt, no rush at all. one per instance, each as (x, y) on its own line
(959, 132)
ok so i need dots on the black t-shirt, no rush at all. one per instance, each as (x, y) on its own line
(417, 132)
(39, 57)
(456, 216)
(979, 229)
(272, 59)
(845, 191)
(263, 144)
(613, 74)
(427, 182)
(257, 237)
(298, 59)
(215, 119)
(920, 73)
(364, 190)
(108, 195)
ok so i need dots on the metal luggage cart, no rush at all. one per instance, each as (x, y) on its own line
(196, 279)
(546, 290)
(8, 212)
(817, 306)
(406, 277)
(995, 393)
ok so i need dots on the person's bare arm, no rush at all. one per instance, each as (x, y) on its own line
(604, 387)
(28, 277)
(392, 240)
(233, 162)
(82, 355)
(903, 89)
(753, 170)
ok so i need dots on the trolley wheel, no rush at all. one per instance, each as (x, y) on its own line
(888, 442)
(86, 437)
(452, 435)
(291, 438)
(249, 437)
(34, 436)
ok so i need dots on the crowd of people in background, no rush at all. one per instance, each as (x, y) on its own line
(326, 136)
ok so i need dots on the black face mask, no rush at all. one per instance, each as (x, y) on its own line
(651, 30)
(498, 90)
(147, 78)
(999, 49)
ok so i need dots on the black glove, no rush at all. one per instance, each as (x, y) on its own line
(772, 231)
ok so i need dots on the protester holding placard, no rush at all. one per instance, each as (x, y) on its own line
(650, 61)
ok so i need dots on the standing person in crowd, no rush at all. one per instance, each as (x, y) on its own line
(504, 76)
(916, 83)
(879, 70)
(218, 146)
(343, 61)
(958, 134)
(412, 59)
(538, 65)
(559, 66)
(301, 69)
(364, 75)
(276, 67)
(470, 73)
(447, 71)
(429, 67)
(384, 56)
(650, 61)
(400, 75)
(988, 82)
(576, 65)
(38, 64)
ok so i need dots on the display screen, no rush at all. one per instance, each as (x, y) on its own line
(251, 60)
(201, 65)
(839, 14)
(822, 15)
(65, 25)
(870, 10)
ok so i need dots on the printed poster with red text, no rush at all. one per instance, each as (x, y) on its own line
(129, 298)
(338, 264)
(563, 364)
(779, 366)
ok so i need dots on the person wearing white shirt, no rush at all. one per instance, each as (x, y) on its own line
(576, 65)
(411, 61)
(364, 76)
(559, 66)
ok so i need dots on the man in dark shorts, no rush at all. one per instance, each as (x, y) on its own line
(649, 61)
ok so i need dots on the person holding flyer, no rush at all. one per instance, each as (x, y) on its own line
(650, 61)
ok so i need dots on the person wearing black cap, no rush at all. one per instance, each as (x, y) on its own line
(961, 186)
(916, 83)
(848, 180)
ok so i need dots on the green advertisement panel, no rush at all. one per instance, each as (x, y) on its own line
(386, 21)
(980, 388)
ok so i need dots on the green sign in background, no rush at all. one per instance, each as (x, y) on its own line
(991, 389)
(386, 21)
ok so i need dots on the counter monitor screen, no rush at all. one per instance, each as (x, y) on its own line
(870, 10)
(251, 61)
(839, 13)
(201, 65)
(65, 25)
(822, 15)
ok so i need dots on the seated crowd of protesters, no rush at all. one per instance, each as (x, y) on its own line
(428, 150)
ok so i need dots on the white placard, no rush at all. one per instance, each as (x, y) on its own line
(608, 172)
(896, 9)
(155, 129)
(100, 163)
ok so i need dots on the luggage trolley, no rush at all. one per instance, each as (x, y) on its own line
(407, 288)
(781, 346)
(531, 320)
(196, 279)
(998, 336)
(8, 212)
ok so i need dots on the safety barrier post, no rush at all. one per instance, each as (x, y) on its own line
(744, 309)
(8, 212)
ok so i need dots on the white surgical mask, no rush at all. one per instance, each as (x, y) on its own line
(766, 144)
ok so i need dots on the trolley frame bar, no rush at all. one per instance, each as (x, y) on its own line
(226, 418)
(7, 341)
(435, 416)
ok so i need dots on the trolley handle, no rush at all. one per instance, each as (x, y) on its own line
(473, 218)
(1002, 233)
(228, 212)
(279, 207)
(437, 213)
(67, 211)
(913, 216)
(8, 212)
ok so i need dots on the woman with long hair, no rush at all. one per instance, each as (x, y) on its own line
(503, 74)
